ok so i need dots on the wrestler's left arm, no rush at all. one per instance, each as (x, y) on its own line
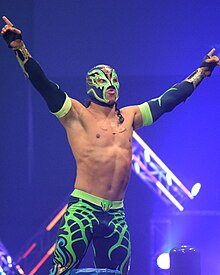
(150, 111)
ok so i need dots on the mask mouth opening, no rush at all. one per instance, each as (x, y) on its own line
(111, 88)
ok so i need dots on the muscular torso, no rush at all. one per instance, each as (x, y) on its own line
(102, 149)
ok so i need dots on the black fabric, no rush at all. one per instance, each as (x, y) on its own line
(170, 99)
(10, 36)
(84, 223)
(50, 91)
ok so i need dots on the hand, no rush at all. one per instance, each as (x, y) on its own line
(11, 34)
(209, 63)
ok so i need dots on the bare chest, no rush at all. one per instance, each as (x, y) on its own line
(109, 133)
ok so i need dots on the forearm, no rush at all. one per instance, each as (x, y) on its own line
(170, 99)
(50, 91)
(175, 95)
(156, 107)
(58, 102)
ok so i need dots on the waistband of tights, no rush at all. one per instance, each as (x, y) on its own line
(105, 204)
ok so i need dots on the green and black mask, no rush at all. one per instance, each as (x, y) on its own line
(98, 80)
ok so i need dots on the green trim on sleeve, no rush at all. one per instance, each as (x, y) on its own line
(65, 108)
(146, 114)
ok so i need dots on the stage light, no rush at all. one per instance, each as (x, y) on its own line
(20, 270)
(43, 260)
(163, 261)
(56, 218)
(169, 179)
(146, 155)
(195, 189)
(9, 260)
(137, 168)
(2, 271)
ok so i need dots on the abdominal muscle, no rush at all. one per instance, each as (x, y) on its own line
(104, 172)
(104, 163)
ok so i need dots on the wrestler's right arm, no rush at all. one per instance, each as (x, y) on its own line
(58, 102)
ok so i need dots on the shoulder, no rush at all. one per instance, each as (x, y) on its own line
(133, 114)
(75, 112)
(130, 110)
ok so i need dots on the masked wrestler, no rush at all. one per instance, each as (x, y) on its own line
(100, 136)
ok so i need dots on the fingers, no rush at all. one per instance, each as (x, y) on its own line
(13, 29)
(211, 52)
(7, 21)
(212, 59)
(9, 26)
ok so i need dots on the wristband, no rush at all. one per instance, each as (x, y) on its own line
(195, 78)
(10, 36)
(209, 65)
(22, 55)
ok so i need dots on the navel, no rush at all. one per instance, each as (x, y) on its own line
(97, 135)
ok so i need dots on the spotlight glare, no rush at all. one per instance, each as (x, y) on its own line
(163, 261)
(146, 156)
(169, 179)
(195, 189)
(2, 271)
(137, 168)
(9, 259)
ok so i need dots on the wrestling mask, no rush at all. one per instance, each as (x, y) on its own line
(98, 80)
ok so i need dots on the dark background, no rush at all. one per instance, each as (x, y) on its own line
(152, 45)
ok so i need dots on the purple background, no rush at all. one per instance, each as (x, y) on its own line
(152, 45)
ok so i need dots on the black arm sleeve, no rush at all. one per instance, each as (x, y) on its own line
(50, 91)
(170, 99)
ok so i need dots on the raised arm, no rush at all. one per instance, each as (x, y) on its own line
(150, 111)
(58, 101)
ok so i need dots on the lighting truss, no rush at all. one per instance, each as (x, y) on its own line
(156, 175)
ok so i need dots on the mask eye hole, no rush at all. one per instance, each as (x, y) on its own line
(115, 80)
(101, 80)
